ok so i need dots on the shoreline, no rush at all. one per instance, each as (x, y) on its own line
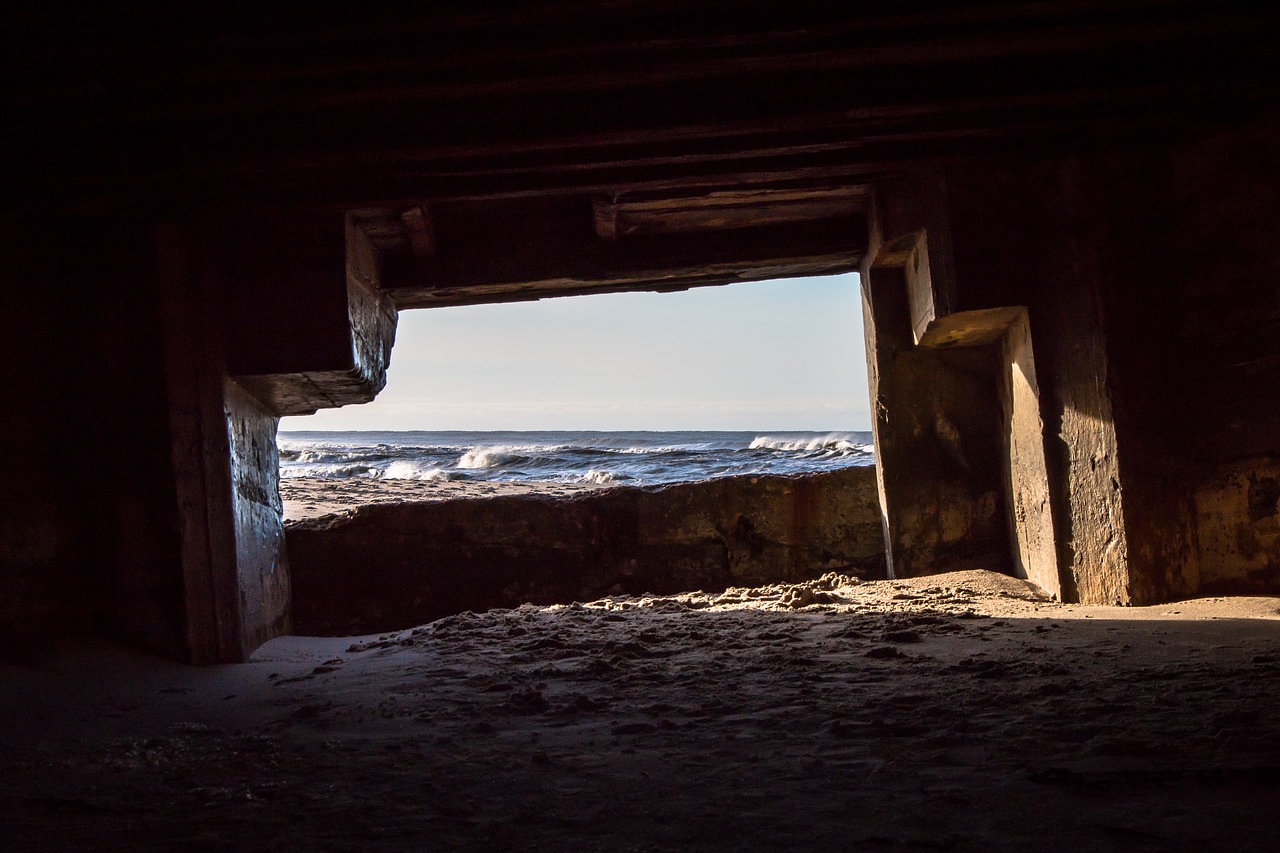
(312, 497)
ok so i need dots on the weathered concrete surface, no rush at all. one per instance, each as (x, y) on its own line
(944, 486)
(88, 520)
(1193, 304)
(1125, 195)
(1150, 282)
(262, 567)
(334, 353)
(138, 497)
(1022, 461)
(1027, 489)
(1023, 234)
(391, 566)
(1238, 528)
(528, 248)
(1000, 370)
(238, 354)
(940, 440)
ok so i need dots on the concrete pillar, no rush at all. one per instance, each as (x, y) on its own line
(261, 319)
(959, 435)
(1185, 233)
(1021, 235)
(937, 428)
(1027, 485)
(1139, 430)
(1006, 332)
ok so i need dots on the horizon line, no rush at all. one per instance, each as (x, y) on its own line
(565, 429)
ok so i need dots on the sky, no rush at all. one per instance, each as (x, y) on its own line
(776, 355)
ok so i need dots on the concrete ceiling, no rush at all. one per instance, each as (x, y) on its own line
(494, 100)
(512, 150)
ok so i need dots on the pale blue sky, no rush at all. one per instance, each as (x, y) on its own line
(771, 355)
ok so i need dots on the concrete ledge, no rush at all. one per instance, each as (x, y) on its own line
(392, 566)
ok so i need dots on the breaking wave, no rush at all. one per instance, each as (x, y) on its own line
(832, 443)
(601, 477)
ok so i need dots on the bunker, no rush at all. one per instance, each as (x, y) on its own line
(1065, 216)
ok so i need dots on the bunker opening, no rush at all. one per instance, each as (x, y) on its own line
(725, 408)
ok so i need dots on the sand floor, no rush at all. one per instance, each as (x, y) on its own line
(956, 712)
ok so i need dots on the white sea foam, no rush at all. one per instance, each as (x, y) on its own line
(832, 443)
(331, 470)
(403, 469)
(486, 457)
(320, 455)
(498, 455)
(601, 477)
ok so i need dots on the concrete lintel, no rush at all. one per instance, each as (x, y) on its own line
(620, 216)
(335, 352)
(564, 246)
(656, 280)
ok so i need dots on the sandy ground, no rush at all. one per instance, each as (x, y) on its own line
(958, 712)
(307, 497)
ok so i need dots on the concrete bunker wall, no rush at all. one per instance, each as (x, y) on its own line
(191, 339)
(89, 517)
(1147, 273)
(1147, 280)
(386, 567)
(1192, 295)
(140, 493)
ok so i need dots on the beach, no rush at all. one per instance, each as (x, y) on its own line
(962, 712)
(310, 497)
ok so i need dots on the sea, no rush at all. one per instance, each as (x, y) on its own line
(636, 458)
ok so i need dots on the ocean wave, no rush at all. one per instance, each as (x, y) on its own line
(632, 450)
(488, 457)
(604, 478)
(505, 455)
(834, 444)
(399, 470)
(325, 454)
(643, 458)
(405, 469)
(332, 471)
